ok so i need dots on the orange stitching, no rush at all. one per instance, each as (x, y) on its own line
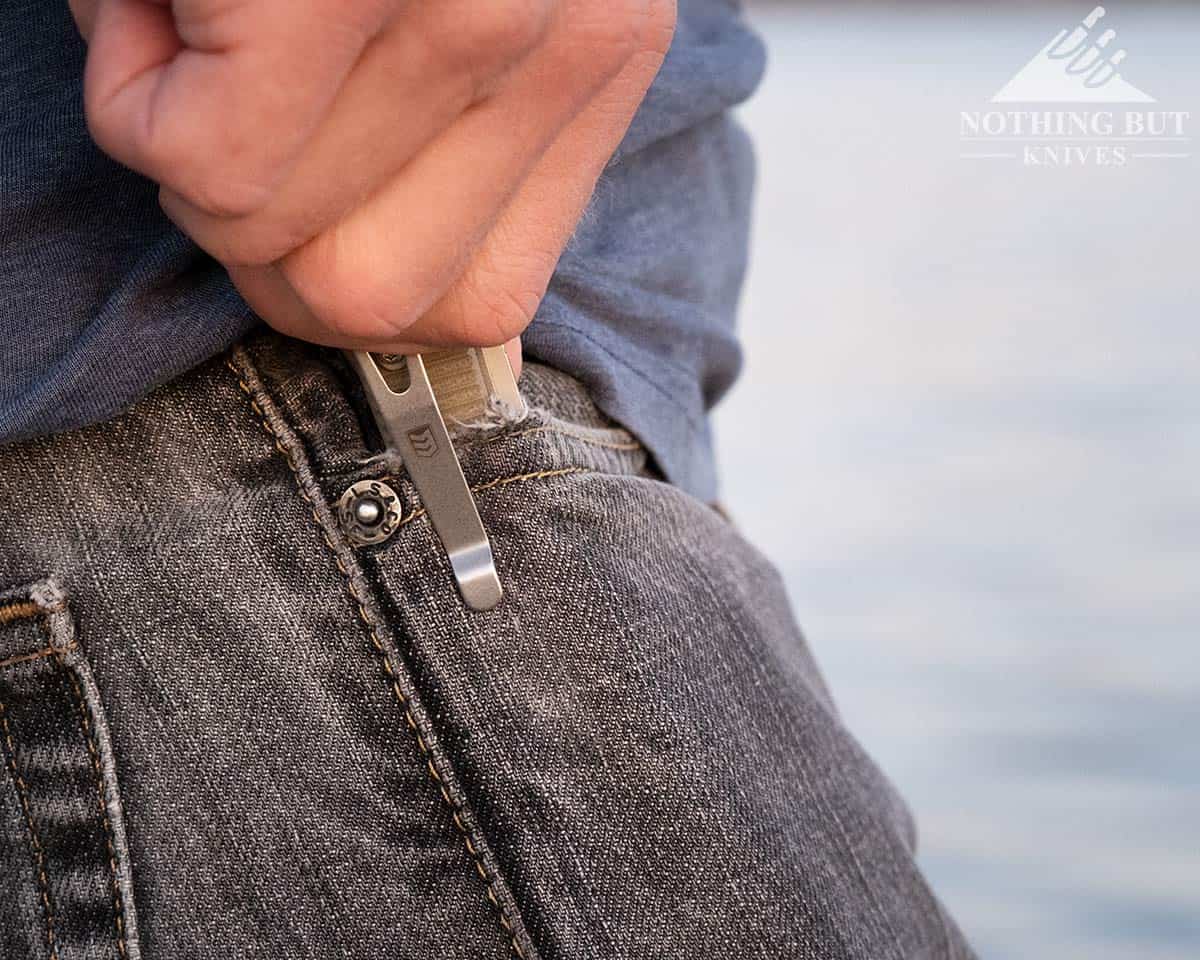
(35, 844)
(24, 610)
(37, 655)
(521, 477)
(394, 683)
(501, 482)
(90, 737)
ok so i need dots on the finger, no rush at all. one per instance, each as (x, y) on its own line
(215, 98)
(500, 291)
(432, 62)
(271, 296)
(381, 268)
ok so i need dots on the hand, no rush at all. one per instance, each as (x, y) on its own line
(375, 174)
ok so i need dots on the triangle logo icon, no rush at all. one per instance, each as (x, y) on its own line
(1076, 66)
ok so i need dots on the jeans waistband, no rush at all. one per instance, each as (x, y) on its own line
(313, 392)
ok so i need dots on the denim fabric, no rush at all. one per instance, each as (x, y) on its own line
(266, 742)
(64, 863)
(102, 298)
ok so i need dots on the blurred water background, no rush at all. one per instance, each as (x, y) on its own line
(969, 433)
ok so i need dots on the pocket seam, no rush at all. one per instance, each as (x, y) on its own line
(511, 928)
(31, 832)
(37, 654)
(48, 605)
(19, 610)
(629, 445)
(89, 736)
(498, 482)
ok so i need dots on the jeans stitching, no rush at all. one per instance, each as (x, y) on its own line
(35, 843)
(22, 610)
(492, 484)
(630, 445)
(372, 631)
(89, 736)
(37, 655)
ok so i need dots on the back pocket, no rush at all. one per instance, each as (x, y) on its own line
(65, 888)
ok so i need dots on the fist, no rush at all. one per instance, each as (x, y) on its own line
(374, 174)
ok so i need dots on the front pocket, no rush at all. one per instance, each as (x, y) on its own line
(65, 888)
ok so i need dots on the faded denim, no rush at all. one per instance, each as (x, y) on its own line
(229, 733)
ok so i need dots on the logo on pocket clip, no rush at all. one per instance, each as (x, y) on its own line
(423, 442)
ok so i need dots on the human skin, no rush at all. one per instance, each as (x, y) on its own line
(374, 174)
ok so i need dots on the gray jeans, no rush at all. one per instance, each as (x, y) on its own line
(227, 731)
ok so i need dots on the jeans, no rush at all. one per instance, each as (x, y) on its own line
(228, 729)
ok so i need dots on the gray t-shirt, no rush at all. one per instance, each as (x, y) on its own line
(102, 299)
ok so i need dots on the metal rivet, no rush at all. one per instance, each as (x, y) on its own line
(369, 512)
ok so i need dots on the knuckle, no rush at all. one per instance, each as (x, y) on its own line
(215, 171)
(500, 31)
(261, 239)
(249, 242)
(361, 16)
(605, 38)
(218, 191)
(618, 31)
(253, 246)
(349, 315)
(352, 299)
(487, 315)
(261, 245)
(223, 172)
